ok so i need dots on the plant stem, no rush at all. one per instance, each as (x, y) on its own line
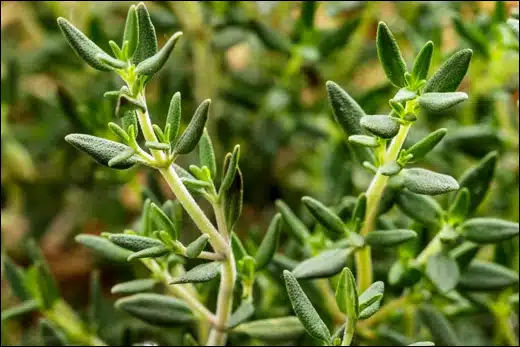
(228, 276)
(374, 193)
(62, 315)
(177, 290)
(221, 220)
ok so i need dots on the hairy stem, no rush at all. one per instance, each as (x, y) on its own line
(228, 276)
(62, 315)
(374, 193)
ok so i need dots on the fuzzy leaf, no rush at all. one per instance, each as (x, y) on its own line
(157, 145)
(325, 264)
(325, 216)
(269, 244)
(464, 254)
(101, 150)
(421, 65)
(459, 208)
(200, 273)
(425, 145)
(131, 33)
(478, 179)
(134, 242)
(303, 308)
(135, 286)
(150, 66)
(443, 271)
(370, 299)
(422, 181)
(488, 230)
(485, 276)
(51, 335)
(389, 238)
(110, 62)
(233, 199)
(380, 125)
(404, 94)
(391, 168)
(206, 153)
(346, 294)
(173, 119)
(162, 221)
(238, 249)
(82, 45)
(104, 247)
(438, 102)
(230, 169)
(420, 207)
(152, 252)
(296, 226)
(364, 140)
(156, 309)
(347, 114)
(147, 45)
(472, 34)
(390, 56)
(191, 136)
(242, 313)
(195, 248)
(128, 119)
(273, 329)
(450, 74)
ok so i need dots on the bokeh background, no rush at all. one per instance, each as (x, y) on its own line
(264, 64)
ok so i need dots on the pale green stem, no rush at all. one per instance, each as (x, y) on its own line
(62, 315)
(374, 194)
(177, 290)
(218, 335)
(221, 220)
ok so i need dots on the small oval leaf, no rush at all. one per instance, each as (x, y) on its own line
(134, 242)
(200, 273)
(104, 247)
(325, 264)
(380, 125)
(422, 181)
(191, 136)
(389, 238)
(390, 56)
(269, 244)
(450, 74)
(135, 286)
(438, 102)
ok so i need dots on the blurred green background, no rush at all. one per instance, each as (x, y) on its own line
(264, 64)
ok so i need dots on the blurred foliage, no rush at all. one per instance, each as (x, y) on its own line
(264, 65)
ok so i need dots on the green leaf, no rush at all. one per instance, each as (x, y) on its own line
(189, 340)
(157, 145)
(402, 95)
(459, 208)
(20, 310)
(425, 145)
(135, 286)
(242, 313)
(150, 66)
(438, 102)
(422, 181)
(200, 273)
(325, 216)
(51, 335)
(450, 74)
(443, 271)
(364, 140)
(347, 114)
(325, 264)
(488, 230)
(391, 168)
(206, 153)
(230, 169)
(130, 119)
(485, 276)
(346, 294)
(238, 249)
(389, 238)
(478, 179)
(82, 45)
(269, 244)
(119, 132)
(15, 276)
(195, 248)
(273, 329)
(101, 150)
(370, 300)
(146, 218)
(303, 308)
(147, 45)
(233, 198)
(380, 125)
(296, 226)
(420, 207)
(156, 309)
(333, 40)
(121, 158)
(421, 65)
(47, 288)
(110, 62)
(191, 136)
(131, 33)
(162, 221)
(270, 38)
(134, 242)
(472, 34)
(464, 254)
(103, 247)
(475, 140)
(152, 252)
(390, 56)
(440, 328)
(173, 119)
(127, 103)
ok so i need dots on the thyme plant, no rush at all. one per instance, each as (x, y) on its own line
(319, 277)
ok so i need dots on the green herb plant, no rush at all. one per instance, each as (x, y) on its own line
(441, 272)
